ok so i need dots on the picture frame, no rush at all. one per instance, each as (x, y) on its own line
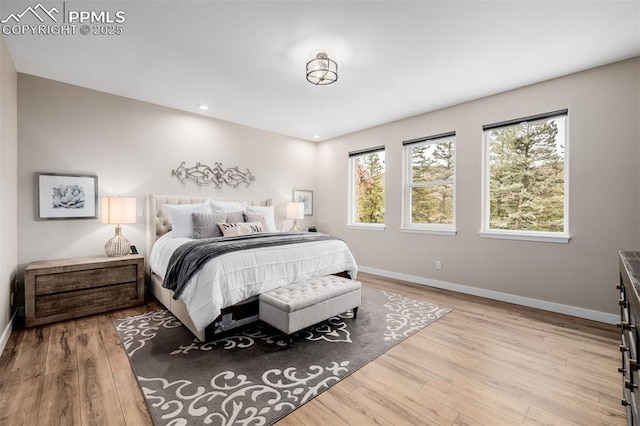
(304, 196)
(66, 196)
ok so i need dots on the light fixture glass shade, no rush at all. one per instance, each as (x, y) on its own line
(322, 70)
(295, 211)
(118, 210)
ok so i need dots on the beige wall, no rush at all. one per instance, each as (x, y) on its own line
(604, 197)
(8, 187)
(132, 147)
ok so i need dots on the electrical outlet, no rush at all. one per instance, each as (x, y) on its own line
(438, 264)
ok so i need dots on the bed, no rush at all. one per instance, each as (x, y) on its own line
(201, 308)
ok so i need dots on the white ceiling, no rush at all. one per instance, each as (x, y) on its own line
(246, 59)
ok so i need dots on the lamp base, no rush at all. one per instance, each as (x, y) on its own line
(118, 245)
(294, 227)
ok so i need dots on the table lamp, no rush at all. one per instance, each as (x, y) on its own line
(118, 210)
(295, 211)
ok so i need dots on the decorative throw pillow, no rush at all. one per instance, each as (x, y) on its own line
(269, 216)
(240, 228)
(256, 217)
(180, 217)
(205, 225)
(234, 217)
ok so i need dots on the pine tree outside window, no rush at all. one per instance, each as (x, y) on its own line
(525, 187)
(367, 188)
(429, 188)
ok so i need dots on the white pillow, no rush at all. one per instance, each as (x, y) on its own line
(180, 217)
(240, 228)
(227, 206)
(269, 217)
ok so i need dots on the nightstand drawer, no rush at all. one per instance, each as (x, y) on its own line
(118, 295)
(90, 278)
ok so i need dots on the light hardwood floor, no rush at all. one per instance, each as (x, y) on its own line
(485, 362)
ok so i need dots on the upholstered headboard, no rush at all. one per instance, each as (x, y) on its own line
(158, 221)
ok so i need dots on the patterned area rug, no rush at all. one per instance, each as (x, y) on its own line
(250, 377)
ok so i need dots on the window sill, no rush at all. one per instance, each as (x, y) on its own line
(432, 231)
(367, 226)
(542, 237)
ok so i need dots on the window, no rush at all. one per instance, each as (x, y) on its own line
(525, 186)
(429, 190)
(366, 188)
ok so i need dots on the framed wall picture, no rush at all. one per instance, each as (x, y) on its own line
(306, 197)
(66, 196)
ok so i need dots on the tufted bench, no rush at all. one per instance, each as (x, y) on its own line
(297, 306)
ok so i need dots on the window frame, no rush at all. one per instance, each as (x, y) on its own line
(352, 197)
(408, 185)
(524, 235)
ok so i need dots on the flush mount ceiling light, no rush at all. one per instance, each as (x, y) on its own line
(322, 70)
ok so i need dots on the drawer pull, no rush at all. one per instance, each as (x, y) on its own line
(633, 364)
(623, 348)
(629, 385)
(619, 287)
(624, 402)
(624, 303)
(625, 325)
(622, 370)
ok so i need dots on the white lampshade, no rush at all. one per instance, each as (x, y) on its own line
(295, 210)
(118, 210)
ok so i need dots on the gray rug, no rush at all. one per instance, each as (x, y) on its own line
(250, 377)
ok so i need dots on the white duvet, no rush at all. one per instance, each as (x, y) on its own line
(234, 277)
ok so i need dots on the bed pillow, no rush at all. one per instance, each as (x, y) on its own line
(267, 213)
(233, 217)
(227, 206)
(180, 217)
(240, 228)
(256, 217)
(205, 225)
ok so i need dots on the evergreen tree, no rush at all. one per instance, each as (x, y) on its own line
(433, 203)
(527, 177)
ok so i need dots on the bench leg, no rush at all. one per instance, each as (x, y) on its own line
(355, 312)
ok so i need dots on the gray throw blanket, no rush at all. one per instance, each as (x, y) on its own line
(189, 258)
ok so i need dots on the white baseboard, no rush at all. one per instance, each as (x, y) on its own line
(7, 333)
(496, 295)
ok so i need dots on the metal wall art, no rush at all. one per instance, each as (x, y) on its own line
(217, 175)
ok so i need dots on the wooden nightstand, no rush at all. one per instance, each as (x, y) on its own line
(58, 290)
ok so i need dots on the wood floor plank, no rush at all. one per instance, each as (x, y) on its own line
(426, 407)
(103, 411)
(348, 410)
(134, 409)
(61, 352)
(59, 404)
(118, 359)
(476, 411)
(95, 374)
(32, 353)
